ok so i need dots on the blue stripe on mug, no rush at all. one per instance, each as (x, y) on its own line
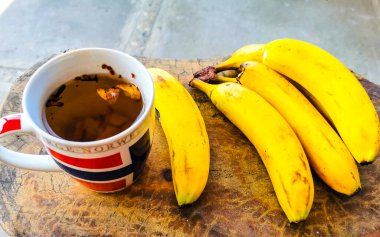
(98, 176)
(139, 152)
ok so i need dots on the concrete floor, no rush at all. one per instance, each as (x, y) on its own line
(32, 30)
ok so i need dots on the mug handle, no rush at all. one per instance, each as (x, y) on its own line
(18, 123)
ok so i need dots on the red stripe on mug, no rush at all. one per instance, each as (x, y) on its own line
(89, 163)
(10, 123)
(104, 187)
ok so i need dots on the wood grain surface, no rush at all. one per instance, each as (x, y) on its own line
(238, 200)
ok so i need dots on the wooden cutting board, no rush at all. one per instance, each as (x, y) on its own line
(238, 199)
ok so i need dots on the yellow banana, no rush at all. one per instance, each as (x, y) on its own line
(251, 52)
(186, 135)
(327, 154)
(333, 89)
(275, 141)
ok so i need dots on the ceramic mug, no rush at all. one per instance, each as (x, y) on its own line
(105, 165)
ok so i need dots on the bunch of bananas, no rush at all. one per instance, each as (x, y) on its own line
(288, 92)
(295, 102)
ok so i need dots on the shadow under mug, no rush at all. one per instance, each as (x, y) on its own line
(106, 165)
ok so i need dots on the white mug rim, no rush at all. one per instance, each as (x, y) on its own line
(137, 123)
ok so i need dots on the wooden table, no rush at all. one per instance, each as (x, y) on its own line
(238, 199)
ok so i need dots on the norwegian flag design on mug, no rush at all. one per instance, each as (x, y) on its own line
(10, 123)
(111, 172)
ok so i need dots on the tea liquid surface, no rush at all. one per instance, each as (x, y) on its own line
(76, 112)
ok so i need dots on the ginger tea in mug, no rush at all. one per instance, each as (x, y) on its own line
(92, 107)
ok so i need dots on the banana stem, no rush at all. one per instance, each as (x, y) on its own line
(206, 74)
(202, 86)
(221, 68)
(229, 73)
(225, 79)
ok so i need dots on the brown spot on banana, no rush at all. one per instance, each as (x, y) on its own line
(304, 165)
(186, 168)
(328, 140)
(359, 188)
(173, 178)
(161, 82)
(306, 181)
(286, 192)
(297, 177)
(160, 78)
(200, 128)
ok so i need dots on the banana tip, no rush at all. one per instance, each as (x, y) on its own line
(364, 163)
(355, 192)
(191, 82)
